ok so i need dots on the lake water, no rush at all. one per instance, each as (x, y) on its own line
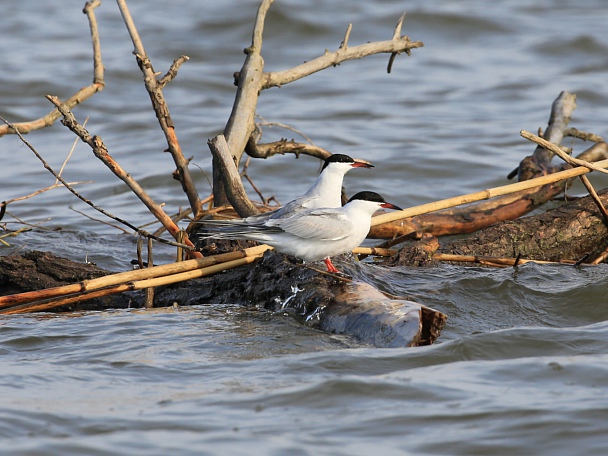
(522, 365)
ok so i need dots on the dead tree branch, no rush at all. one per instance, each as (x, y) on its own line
(83, 94)
(251, 80)
(396, 45)
(283, 147)
(101, 152)
(241, 123)
(154, 88)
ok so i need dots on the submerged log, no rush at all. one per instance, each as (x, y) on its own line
(41, 270)
(317, 300)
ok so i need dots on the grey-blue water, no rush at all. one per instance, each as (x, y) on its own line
(522, 366)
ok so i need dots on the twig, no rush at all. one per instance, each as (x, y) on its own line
(595, 197)
(489, 260)
(74, 192)
(154, 88)
(557, 151)
(100, 221)
(42, 190)
(485, 194)
(265, 123)
(149, 291)
(244, 174)
(601, 257)
(65, 162)
(396, 35)
(83, 94)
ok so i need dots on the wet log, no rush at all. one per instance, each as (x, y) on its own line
(276, 284)
(41, 270)
(573, 232)
(570, 232)
(317, 300)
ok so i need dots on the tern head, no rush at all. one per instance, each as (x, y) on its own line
(344, 162)
(374, 198)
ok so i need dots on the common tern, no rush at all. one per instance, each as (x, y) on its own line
(325, 192)
(313, 234)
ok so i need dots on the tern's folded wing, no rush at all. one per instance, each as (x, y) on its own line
(321, 224)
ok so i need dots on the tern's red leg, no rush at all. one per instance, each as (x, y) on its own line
(330, 266)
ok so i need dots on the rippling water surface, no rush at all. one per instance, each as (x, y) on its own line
(520, 367)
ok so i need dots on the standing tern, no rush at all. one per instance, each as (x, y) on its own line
(313, 234)
(325, 192)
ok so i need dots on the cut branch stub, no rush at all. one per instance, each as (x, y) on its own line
(224, 164)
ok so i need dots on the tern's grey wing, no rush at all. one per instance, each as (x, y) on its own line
(294, 207)
(322, 224)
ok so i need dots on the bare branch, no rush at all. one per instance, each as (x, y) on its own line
(552, 148)
(574, 133)
(344, 44)
(395, 46)
(101, 152)
(241, 123)
(172, 73)
(154, 88)
(283, 147)
(83, 94)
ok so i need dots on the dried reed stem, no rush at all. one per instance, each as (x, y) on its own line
(128, 276)
(485, 194)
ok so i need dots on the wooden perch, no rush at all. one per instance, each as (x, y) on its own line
(50, 298)
(484, 194)
(83, 94)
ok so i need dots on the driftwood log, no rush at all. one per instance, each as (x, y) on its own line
(575, 232)
(317, 300)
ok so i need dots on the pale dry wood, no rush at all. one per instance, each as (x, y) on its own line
(241, 123)
(159, 104)
(129, 276)
(485, 194)
(80, 96)
(231, 179)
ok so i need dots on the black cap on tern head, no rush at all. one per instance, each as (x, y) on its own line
(375, 197)
(343, 158)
